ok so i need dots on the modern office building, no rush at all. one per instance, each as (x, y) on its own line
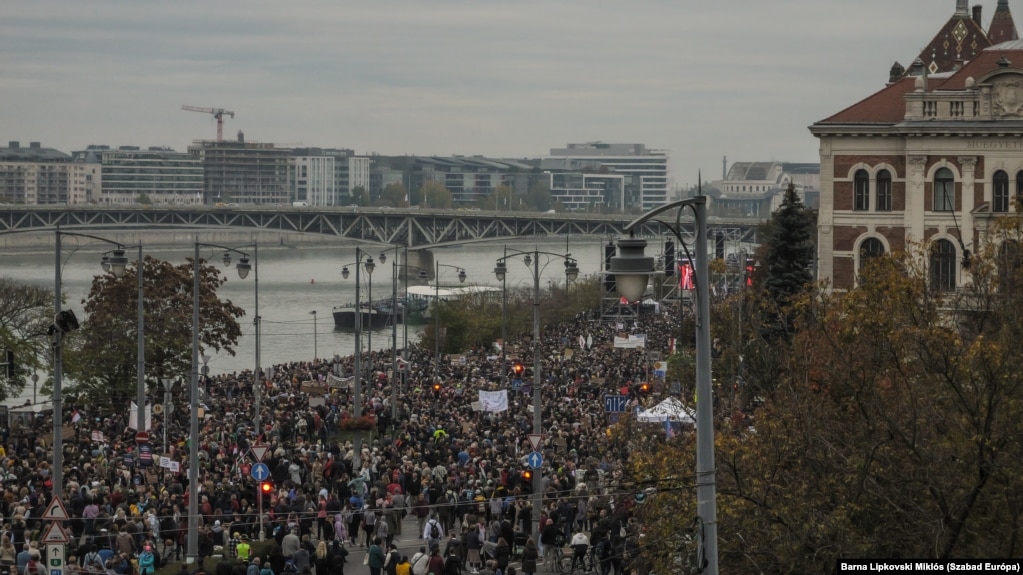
(38, 175)
(129, 174)
(244, 173)
(932, 157)
(578, 191)
(645, 170)
(311, 178)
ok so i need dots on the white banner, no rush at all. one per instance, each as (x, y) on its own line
(494, 400)
(632, 342)
(133, 417)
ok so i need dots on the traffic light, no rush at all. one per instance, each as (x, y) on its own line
(436, 388)
(266, 489)
(527, 476)
(644, 388)
(749, 275)
(518, 369)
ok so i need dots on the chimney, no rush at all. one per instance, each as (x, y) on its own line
(241, 136)
(977, 9)
(13, 144)
(35, 145)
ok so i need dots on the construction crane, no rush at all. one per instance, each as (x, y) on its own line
(217, 113)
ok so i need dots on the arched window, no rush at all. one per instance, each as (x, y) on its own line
(869, 249)
(944, 190)
(943, 266)
(861, 190)
(884, 191)
(1008, 264)
(1019, 189)
(1000, 192)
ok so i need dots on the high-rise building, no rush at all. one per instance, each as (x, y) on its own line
(38, 175)
(129, 174)
(311, 177)
(241, 172)
(645, 170)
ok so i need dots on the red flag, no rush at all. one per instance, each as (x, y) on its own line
(685, 276)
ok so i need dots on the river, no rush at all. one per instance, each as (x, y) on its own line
(294, 281)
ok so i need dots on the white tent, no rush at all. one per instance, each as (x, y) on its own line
(670, 409)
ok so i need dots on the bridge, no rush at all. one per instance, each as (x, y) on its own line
(410, 227)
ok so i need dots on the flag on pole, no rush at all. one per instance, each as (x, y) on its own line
(75, 416)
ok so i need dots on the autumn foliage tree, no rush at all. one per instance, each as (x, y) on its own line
(895, 429)
(101, 357)
(25, 314)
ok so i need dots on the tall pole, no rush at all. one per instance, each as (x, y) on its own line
(58, 380)
(140, 398)
(504, 320)
(394, 336)
(706, 490)
(404, 315)
(257, 389)
(436, 320)
(192, 552)
(369, 332)
(537, 395)
(357, 396)
(316, 348)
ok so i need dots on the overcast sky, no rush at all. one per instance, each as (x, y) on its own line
(700, 80)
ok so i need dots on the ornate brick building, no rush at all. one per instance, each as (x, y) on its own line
(932, 157)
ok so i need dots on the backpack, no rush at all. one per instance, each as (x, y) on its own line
(434, 531)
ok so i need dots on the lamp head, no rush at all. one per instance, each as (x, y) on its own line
(528, 259)
(117, 262)
(383, 258)
(227, 259)
(243, 267)
(461, 276)
(501, 270)
(370, 265)
(571, 269)
(344, 272)
(631, 268)
(423, 275)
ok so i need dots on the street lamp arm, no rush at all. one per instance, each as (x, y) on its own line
(513, 253)
(698, 200)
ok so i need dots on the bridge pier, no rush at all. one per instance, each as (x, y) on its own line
(418, 260)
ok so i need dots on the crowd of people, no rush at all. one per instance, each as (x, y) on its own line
(456, 469)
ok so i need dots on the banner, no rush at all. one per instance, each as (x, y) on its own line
(496, 401)
(133, 419)
(633, 341)
(339, 382)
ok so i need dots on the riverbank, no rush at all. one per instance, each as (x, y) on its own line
(43, 241)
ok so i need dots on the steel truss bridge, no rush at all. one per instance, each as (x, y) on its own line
(413, 228)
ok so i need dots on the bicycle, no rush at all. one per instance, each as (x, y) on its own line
(563, 562)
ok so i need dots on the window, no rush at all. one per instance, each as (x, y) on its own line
(1019, 189)
(884, 191)
(943, 266)
(944, 190)
(870, 248)
(861, 191)
(1008, 265)
(1000, 193)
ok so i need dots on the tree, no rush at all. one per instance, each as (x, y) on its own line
(894, 430)
(499, 199)
(102, 356)
(539, 197)
(394, 195)
(360, 196)
(788, 249)
(436, 195)
(25, 314)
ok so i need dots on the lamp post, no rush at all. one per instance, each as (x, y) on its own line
(394, 331)
(316, 349)
(243, 267)
(168, 385)
(436, 312)
(571, 272)
(357, 395)
(65, 321)
(631, 269)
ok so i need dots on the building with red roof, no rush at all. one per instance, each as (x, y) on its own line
(931, 157)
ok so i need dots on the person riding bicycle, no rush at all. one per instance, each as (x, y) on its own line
(580, 545)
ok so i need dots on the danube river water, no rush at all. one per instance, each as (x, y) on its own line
(294, 281)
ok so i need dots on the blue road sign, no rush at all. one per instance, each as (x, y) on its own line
(615, 403)
(260, 471)
(535, 460)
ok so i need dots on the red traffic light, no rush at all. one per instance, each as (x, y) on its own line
(518, 369)
(527, 475)
(265, 487)
(436, 387)
(644, 388)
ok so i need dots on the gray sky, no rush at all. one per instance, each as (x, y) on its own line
(436, 77)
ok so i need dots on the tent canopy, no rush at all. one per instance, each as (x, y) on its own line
(671, 409)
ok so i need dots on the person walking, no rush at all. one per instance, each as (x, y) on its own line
(376, 558)
(530, 556)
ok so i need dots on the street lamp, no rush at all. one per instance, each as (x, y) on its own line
(168, 408)
(65, 321)
(631, 270)
(316, 349)
(243, 267)
(571, 273)
(394, 330)
(357, 396)
(436, 311)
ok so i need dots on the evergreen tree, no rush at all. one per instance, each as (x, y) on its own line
(788, 250)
